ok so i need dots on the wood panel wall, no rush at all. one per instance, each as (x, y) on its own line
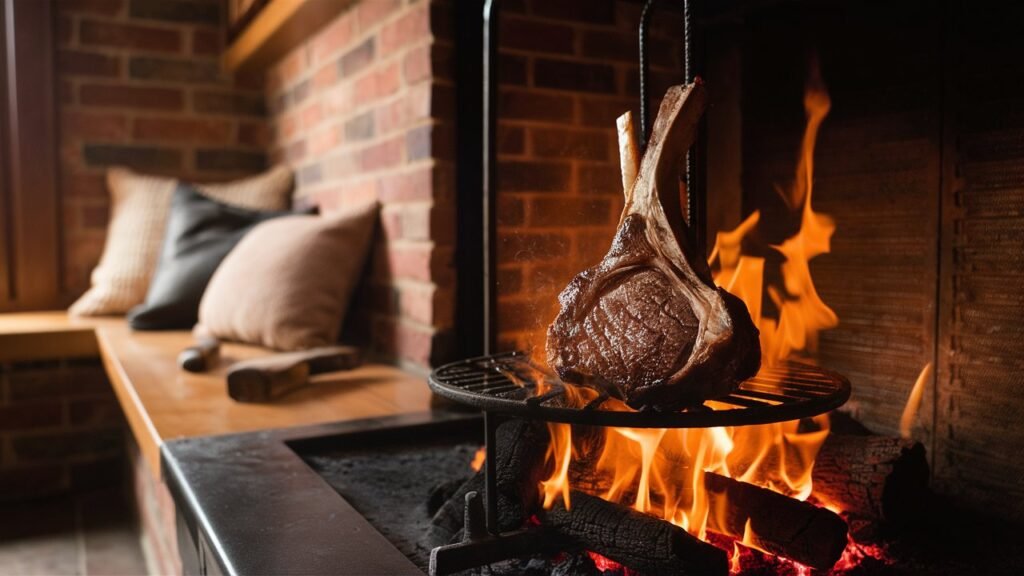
(921, 163)
(877, 169)
(979, 435)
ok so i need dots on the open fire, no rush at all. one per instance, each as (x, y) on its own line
(662, 472)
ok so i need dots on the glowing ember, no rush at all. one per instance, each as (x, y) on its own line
(478, 459)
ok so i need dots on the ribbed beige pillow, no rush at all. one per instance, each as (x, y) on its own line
(287, 284)
(139, 206)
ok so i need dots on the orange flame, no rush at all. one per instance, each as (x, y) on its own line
(661, 472)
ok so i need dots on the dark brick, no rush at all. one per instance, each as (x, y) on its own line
(298, 94)
(164, 69)
(31, 415)
(31, 481)
(129, 36)
(576, 76)
(608, 45)
(138, 157)
(219, 160)
(176, 11)
(513, 70)
(281, 103)
(419, 143)
(658, 82)
(101, 473)
(116, 96)
(560, 143)
(65, 30)
(593, 11)
(309, 175)
(360, 128)
(527, 247)
(42, 383)
(357, 58)
(537, 36)
(511, 211)
(74, 63)
(96, 412)
(511, 140)
(209, 102)
(602, 112)
(80, 444)
(515, 315)
(102, 7)
(599, 179)
(521, 176)
(558, 212)
(253, 134)
(510, 281)
(177, 129)
(522, 105)
(206, 42)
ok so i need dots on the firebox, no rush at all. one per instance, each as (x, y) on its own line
(855, 182)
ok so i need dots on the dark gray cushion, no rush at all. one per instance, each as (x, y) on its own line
(200, 233)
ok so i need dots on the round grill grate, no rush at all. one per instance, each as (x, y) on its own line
(509, 383)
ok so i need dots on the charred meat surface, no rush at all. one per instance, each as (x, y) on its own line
(647, 324)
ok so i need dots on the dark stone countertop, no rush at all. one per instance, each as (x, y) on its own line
(253, 506)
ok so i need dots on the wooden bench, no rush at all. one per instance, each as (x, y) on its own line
(162, 402)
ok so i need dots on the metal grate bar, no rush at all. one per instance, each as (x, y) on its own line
(509, 383)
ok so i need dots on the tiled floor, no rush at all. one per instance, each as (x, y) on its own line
(87, 535)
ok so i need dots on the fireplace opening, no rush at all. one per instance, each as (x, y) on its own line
(830, 158)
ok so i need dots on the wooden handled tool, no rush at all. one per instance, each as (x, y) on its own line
(265, 379)
(201, 356)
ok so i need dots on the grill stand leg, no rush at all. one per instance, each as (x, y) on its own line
(491, 423)
(479, 546)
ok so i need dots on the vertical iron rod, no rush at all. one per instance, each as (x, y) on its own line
(695, 199)
(490, 169)
(695, 195)
(491, 422)
(645, 20)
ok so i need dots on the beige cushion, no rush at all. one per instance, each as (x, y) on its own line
(139, 206)
(287, 284)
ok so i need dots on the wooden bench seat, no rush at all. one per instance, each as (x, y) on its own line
(162, 402)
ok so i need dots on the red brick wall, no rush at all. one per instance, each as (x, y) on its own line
(568, 69)
(363, 110)
(140, 85)
(61, 428)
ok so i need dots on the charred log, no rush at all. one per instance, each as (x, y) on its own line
(520, 452)
(778, 524)
(873, 477)
(639, 541)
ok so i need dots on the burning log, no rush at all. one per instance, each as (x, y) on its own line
(639, 541)
(520, 461)
(775, 523)
(780, 525)
(872, 477)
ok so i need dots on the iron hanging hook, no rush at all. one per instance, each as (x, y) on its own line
(645, 20)
(694, 200)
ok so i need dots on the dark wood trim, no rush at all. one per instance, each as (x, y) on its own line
(31, 220)
(274, 29)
